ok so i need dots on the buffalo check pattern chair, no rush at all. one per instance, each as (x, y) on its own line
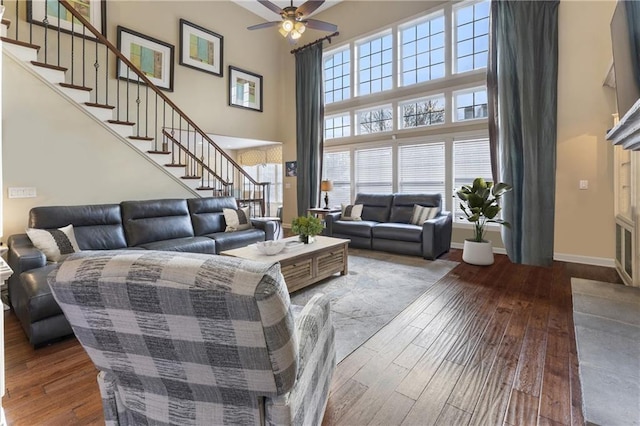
(192, 339)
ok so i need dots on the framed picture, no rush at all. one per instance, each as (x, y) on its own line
(94, 11)
(291, 168)
(151, 56)
(245, 89)
(200, 48)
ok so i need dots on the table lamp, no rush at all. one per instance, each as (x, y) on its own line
(326, 186)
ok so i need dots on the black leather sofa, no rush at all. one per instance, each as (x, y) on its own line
(194, 225)
(386, 226)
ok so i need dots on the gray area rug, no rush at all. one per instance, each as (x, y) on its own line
(607, 322)
(377, 288)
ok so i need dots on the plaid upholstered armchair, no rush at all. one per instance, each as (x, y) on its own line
(191, 339)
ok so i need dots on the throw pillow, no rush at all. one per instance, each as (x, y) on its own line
(421, 214)
(352, 212)
(237, 220)
(56, 244)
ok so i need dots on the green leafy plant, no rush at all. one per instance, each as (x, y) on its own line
(306, 225)
(480, 203)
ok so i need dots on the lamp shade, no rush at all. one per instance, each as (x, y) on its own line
(326, 185)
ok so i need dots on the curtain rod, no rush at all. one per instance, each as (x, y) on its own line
(320, 40)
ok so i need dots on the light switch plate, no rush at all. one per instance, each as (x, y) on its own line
(584, 184)
(22, 192)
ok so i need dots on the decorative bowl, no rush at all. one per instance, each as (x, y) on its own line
(270, 247)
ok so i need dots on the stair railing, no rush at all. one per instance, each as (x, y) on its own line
(139, 103)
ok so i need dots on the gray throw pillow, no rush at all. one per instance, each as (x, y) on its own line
(421, 214)
(237, 220)
(352, 212)
(56, 244)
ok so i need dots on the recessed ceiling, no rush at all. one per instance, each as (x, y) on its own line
(268, 15)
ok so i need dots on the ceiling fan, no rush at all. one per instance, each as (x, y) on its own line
(293, 22)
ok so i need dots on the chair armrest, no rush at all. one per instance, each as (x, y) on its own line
(22, 256)
(328, 222)
(436, 235)
(270, 227)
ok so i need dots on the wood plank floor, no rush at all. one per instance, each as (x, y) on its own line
(483, 346)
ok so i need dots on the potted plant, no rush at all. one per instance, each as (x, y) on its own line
(306, 227)
(480, 203)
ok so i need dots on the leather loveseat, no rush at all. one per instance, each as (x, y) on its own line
(386, 226)
(194, 225)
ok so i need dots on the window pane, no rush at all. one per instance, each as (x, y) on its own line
(373, 173)
(336, 76)
(425, 112)
(421, 168)
(375, 121)
(420, 57)
(337, 126)
(471, 159)
(470, 104)
(471, 33)
(336, 167)
(372, 57)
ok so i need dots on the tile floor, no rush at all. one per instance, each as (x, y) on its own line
(607, 321)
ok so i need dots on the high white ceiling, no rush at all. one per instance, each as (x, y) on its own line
(268, 15)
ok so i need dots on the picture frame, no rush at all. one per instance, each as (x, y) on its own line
(291, 168)
(245, 89)
(200, 48)
(94, 11)
(152, 56)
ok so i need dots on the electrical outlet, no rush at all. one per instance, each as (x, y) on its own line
(584, 184)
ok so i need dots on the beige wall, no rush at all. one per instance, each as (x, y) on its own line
(584, 221)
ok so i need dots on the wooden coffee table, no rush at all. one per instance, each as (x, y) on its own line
(306, 264)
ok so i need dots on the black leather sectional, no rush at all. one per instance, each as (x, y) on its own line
(194, 225)
(386, 226)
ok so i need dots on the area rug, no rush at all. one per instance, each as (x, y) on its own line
(377, 288)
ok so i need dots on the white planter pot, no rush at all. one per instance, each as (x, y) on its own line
(477, 253)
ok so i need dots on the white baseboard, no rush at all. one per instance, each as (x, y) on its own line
(563, 257)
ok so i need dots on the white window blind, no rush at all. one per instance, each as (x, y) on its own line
(421, 168)
(374, 170)
(337, 168)
(471, 159)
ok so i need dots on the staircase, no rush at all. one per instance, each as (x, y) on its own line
(75, 63)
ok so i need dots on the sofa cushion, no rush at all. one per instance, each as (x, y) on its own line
(402, 207)
(376, 206)
(230, 240)
(188, 244)
(96, 227)
(155, 220)
(56, 244)
(237, 220)
(39, 301)
(206, 213)
(351, 212)
(398, 231)
(360, 228)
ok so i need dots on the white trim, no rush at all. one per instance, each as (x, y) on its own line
(587, 260)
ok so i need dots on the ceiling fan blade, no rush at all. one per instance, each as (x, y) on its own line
(320, 25)
(271, 6)
(309, 7)
(264, 25)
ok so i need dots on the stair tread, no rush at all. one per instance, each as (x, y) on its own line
(73, 86)
(159, 152)
(175, 165)
(6, 22)
(124, 123)
(189, 177)
(20, 43)
(51, 67)
(205, 188)
(93, 104)
(141, 138)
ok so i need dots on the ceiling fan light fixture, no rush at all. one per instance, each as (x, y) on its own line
(287, 25)
(300, 27)
(295, 34)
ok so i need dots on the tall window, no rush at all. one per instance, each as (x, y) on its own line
(421, 168)
(337, 168)
(375, 120)
(374, 170)
(471, 159)
(337, 74)
(422, 51)
(472, 36)
(375, 65)
(470, 104)
(422, 112)
(337, 126)
(270, 172)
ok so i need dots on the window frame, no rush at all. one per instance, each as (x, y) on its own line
(370, 109)
(441, 12)
(333, 52)
(355, 70)
(402, 103)
(464, 91)
(454, 40)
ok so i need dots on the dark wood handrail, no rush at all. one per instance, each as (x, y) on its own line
(102, 39)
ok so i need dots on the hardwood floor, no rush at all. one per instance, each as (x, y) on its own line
(483, 346)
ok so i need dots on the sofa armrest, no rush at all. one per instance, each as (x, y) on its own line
(270, 227)
(316, 364)
(22, 256)
(328, 222)
(436, 235)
